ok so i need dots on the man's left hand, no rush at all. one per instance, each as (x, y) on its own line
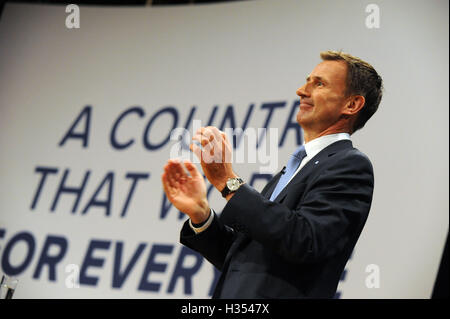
(215, 155)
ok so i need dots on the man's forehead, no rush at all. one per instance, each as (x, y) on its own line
(330, 70)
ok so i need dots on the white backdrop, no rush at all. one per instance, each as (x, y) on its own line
(167, 66)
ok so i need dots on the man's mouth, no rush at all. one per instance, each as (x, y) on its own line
(304, 104)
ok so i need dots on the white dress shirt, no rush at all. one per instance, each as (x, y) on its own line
(312, 148)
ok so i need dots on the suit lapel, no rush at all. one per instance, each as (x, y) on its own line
(268, 189)
(312, 165)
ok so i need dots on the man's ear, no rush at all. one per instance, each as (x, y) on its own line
(354, 105)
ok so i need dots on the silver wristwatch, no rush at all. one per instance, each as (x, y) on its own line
(232, 185)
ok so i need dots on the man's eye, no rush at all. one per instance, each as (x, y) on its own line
(319, 83)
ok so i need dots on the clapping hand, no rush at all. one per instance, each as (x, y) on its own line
(187, 192)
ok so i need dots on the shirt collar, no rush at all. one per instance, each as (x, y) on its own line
(314, 146)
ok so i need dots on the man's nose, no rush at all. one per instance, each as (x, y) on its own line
(301, 91)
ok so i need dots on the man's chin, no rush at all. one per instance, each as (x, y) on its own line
(302, 118)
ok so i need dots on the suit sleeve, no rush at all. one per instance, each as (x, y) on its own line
(332, 212)
(213, 243)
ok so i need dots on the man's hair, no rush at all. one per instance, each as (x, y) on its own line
(362, 79)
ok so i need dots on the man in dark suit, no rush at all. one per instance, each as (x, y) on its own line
(294, 238)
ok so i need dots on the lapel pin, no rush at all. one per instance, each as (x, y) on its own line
(317, 162)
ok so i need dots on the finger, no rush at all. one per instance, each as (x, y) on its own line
(178, 169)
(192, 169)
(215, 136)
(224, 137)
(203, 154)
(210, 133)
(175, 172)
(196, 150)
(168, 176)
(200, 130)
(218, 146)
(202, 139)
(166, 186)
(173, 176)
(206, 128)
(215, 132)
(165, 182)
(207, 132)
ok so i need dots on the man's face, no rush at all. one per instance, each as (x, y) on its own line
(322, 98)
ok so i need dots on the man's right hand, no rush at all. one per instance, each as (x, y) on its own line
(186, 192)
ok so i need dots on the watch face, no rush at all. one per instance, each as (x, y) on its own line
(233, 184)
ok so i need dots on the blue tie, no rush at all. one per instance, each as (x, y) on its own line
(292, 165)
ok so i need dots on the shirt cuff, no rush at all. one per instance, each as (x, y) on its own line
(198, 230)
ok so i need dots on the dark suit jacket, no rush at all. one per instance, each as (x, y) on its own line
(296, 246)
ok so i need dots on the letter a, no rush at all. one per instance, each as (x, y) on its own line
(84, 135)
(73, 19)
(373, 279)
(373, 19)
